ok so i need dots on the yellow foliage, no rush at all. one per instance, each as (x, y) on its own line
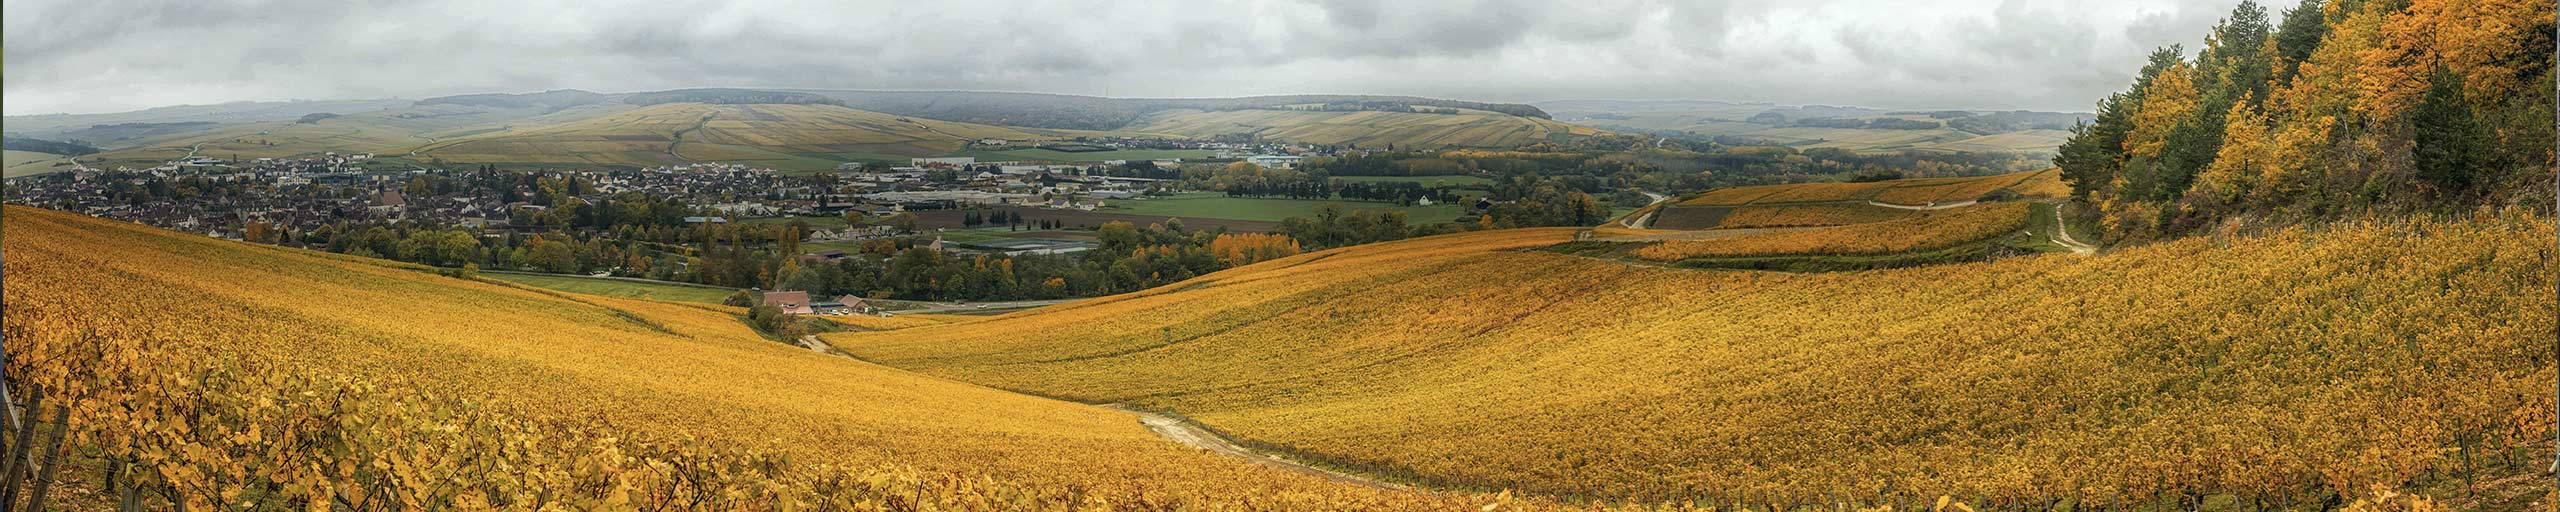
(1240, 249)
(232, 372)
(2246, 156)
(1926, 231)
(2170, 101)
(2298, 361)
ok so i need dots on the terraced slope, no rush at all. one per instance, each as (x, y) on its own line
(1367, 129)
(283, 377)
(2264, 370)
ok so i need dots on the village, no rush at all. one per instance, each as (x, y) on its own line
(223, 198)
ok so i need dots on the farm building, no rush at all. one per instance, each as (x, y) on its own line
(796, 303)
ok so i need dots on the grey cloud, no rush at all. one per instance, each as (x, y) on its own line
(106, 55)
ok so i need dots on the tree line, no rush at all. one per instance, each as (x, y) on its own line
(2338, 108)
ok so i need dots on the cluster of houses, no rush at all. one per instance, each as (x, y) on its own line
(305, 193)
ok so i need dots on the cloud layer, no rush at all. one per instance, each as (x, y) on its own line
(113, 55)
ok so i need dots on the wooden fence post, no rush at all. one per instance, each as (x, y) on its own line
(11, 469)
(52, 455)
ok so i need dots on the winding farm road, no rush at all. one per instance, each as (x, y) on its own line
(2062, 235)
(1647, 219)
(1183, 431)
(1958, 204)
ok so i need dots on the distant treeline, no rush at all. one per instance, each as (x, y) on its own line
(2335, 111)
(47, 146)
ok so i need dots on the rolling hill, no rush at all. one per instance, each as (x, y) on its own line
(1066, 111)
(786, 136)
(789, 129)
(21, 163)
(397, 387)
(1367, 129)
(1828, 226)
(2284, 368)
(1825, 126)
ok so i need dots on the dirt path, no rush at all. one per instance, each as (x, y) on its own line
(1647, 219)
(1933, 206)
(1183, 431)
(2062, 235)
(1180, 430)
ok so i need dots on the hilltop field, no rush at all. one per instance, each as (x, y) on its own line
(2373, 353)
(401, 387)
(1847, 225)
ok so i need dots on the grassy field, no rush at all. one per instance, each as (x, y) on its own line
(620, 288)
(1211, 205)
(2125, 379)
(1427, 181)
(23, 163)
(1469, 128)
(1044, 155)
(456, 394)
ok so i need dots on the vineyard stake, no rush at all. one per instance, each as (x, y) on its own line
(52, 455)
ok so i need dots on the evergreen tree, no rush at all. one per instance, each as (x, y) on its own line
(2303, 28)
(2453, 146)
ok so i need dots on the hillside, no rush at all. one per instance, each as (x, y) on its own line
(1367, 129)
(54, 126)
(1824, 126)
(1066, 111)
(436, 392)
(2270, 369)
(789, 137)
(21, 163)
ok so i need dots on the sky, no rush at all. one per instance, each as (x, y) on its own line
(89, 56)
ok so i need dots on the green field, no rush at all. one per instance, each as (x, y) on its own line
(1212, 205)
(619, 288)
(1044, 155)
(1427, 181)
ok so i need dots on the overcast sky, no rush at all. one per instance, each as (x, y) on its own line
(113, 55)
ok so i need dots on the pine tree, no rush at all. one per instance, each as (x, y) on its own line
(2452, 144)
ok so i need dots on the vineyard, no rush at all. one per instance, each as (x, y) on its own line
(224, 375)
(1840, 204)
(1921, 232)
(2298, 369)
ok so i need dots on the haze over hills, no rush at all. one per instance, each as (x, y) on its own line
(544, 128)
(1826, 126)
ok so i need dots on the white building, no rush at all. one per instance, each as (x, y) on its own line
(1275, 161)
(949, 161)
